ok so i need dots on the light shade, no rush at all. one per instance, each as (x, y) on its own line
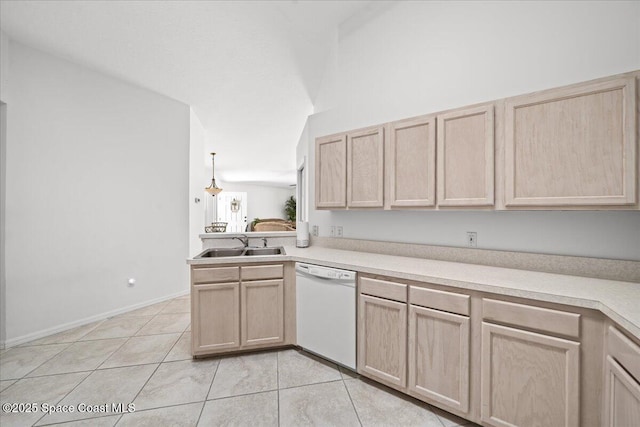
(213, 189)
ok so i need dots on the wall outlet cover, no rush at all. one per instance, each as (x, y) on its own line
(472, 239)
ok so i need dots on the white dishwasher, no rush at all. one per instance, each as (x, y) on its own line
(326, 312)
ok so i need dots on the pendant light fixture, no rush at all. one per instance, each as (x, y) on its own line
(213, 189)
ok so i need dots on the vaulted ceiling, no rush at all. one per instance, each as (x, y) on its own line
(250, 69)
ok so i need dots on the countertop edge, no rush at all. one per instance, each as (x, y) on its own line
(606, 306)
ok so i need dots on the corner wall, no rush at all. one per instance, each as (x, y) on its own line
(197, 182)
(421, 57)
(97, 187)
(4, 78)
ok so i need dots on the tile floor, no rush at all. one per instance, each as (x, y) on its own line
(142, 357)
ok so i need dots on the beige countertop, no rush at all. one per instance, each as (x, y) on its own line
(620, 301)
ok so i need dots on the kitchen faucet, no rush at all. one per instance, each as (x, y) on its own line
(244, 239)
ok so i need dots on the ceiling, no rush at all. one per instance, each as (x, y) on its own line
(249, 69)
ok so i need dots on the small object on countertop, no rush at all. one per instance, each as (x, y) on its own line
(216, 227)
(302, 235)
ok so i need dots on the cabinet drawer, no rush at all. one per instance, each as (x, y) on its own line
(217, 274)
(440, 300)
(383, 289)
(527, 316)
(626, 352)
(257, 272)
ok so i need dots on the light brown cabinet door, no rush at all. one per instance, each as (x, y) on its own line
(382, 340)
(411, 164)
(365, 168)
(331, 172)
(262, 315)
(466, 157)
(573, 146)
(528, 379)
(622, 396)
(439, 357)
(215, 317)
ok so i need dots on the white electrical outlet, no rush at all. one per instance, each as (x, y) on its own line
(332, 231)
(472, 239)
(339, 231)
(314, 230)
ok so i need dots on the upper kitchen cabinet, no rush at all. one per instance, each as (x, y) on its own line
(365, 168)
(331, 172)
(466, 157)
(572, 147)
(411, 163)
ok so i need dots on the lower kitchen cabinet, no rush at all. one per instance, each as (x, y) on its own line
(215, 317)
(529, 379)
(262, 312)
(382, 332)
(622, 390)
(439, 357)
(247, 314)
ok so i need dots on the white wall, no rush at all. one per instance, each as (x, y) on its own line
(421, 57)
(97, 187)
(197, 182)
(303, 160)
(264, 201)
(4, 78)
(3, 199)
(4, 65)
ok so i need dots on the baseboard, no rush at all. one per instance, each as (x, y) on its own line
(70, 325)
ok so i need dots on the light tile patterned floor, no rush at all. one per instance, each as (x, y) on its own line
(143, 357)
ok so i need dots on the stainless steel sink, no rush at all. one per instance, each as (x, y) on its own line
(239, 252)
(221, 252)
(263, 251)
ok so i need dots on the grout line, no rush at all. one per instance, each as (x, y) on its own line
(208, 391)
(67, 345)
(68, 393)
(241, 395)
(81, 419)
(351, 400)
(172, 347)
(307, 385)
(278, 384)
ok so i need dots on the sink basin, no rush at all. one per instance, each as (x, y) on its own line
(221, 252)
(238, 252)
(263, 251)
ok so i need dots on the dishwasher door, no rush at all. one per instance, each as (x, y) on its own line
(326, 312)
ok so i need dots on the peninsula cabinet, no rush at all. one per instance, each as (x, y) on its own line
(573, 146)
(411, 163)
(382, 331)
(240, 307)
(466, 157)
(331, 172)
(262, 312)
(529, 378)
(622, 380)
(215, 301)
